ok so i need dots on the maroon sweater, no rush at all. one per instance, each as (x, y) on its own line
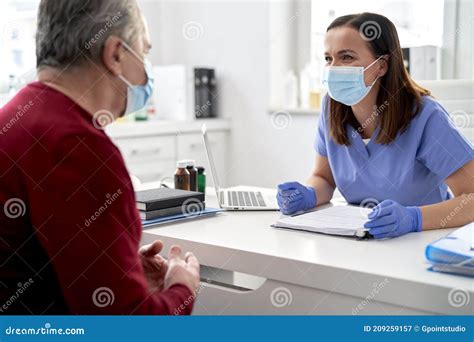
(69, 228)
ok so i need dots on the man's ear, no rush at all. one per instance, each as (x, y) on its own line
(113, 54)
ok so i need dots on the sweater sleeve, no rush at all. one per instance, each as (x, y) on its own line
(85, 218)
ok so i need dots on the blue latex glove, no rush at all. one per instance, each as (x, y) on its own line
(390, 219)
(293, 197)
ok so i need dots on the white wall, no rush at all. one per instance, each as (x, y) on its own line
(458, 46)
(464, 40)
(239, 39)
(235, 41)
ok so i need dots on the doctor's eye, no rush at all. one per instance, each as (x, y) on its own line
(347, 58)
(328, 59)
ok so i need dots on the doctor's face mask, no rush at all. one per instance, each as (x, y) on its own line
(346, 84)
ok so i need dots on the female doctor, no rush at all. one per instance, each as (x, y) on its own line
(382, 137)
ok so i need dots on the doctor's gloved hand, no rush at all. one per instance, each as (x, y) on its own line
(293, 197)
(390, 219)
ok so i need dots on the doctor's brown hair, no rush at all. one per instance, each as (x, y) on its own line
(399, 96)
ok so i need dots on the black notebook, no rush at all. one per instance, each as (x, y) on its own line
(194, 207)
(162, 198)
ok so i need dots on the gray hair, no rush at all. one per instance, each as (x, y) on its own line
(72, 31)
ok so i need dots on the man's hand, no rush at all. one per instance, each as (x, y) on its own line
(182, 271)
(154, 265)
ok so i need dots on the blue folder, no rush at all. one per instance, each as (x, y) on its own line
(179, 217)
(453, 253)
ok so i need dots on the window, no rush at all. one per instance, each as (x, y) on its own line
(17, 43)
(427, 36)
(413, 29)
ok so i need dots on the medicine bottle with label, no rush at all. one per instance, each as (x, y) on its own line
(193, 174)
(181, 177)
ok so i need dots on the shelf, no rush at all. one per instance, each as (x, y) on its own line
(294, 111)
(164, 127)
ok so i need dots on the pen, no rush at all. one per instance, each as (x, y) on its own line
(363, 233)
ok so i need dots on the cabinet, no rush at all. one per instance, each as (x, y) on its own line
(151, 149)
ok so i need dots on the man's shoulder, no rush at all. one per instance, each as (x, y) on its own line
(41, 115)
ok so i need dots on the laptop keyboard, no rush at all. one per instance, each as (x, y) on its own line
(245, 199)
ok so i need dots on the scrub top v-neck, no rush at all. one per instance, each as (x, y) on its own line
(410, 170)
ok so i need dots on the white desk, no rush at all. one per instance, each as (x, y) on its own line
(312, 273)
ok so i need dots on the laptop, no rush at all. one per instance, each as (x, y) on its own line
(238, 199)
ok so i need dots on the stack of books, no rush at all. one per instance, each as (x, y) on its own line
(162, 202)
(453, 253)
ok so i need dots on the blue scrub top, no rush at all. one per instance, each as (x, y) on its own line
(410, 170)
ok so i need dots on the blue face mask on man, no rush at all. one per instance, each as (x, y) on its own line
(138, 95)
(346, 84)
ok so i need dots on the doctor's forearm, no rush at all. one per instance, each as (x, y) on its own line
(452, 213)
(324, 190)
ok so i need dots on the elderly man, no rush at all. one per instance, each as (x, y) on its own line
(69, 228)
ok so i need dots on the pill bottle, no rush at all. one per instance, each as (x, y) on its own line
(201, 179)
(181, 177)
(193, 173)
